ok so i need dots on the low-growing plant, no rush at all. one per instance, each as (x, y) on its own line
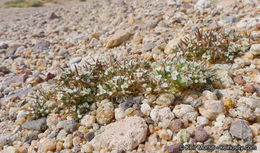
(77, 90)
(23, 3)
(213, 46)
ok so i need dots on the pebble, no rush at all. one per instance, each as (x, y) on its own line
(3, 45)
(10, 149)
(165, 99)
(162, 116)
(184, 111)
(68, 141)
(118, 38)
(169, 48)
(255, 49)
(67, 125)
(105, 113)
(201, 134)
(42, 45)
(88, 120)
(239, 80)
(202, 120)
(149, 46)
(75, 60)
(46, 145)
(89, 136)
(87, 148)
(212, 108)
(175, 148)
(39, 124)
(146, 109)
(249, 88)
(241, 130)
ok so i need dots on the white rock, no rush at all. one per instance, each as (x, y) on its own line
(88, 120)
(146, 109)
(163, 116)
(165, 99)
(202, 120)
(251, 102)
(124, 134)
(10, 149)
(209, 95)
(119, 113)
(203, 4)
(105, 113)
(172, 44)
(211, 109)
(184, 111)
(255, 49)
(75, 60)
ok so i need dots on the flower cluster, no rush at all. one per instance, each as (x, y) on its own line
(213, 46)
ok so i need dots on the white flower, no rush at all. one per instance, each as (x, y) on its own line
(139, 74)
(59, 96)
(174, 75)
(168, 68)
(165, 85)
(148, 89)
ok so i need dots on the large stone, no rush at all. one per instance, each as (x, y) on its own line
(241, 130)
(165, 99)
(118, 38)
(184, 111)
(39, 124)
(125, 134)
(105, 113)
(211, 109)
(67, 125)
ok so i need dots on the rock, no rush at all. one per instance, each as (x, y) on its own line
(243, 112)
(39, 79)
(241, 130)
(184, 111)
(75, 60)
(89, 136)
(149, 46)
(253, 103)
(175, 148)
(146, 109)
(29, 139)
(68, 142)
(4, 70)
(211, 109)
(165, 99)
(162, 116)
(41, 46)
(10, 149)
(87, 148)
(21, 78)
(124, 134)
(127, 104)
(67, 125)
(53, 16)
(209, 95)
(201, 134)
(196, 103)
(118, 38)
(39, 124)
(231, 19)
(119, 113)
(172, 45)
(223, 75)
(203, 4)
(249, 88)
(50, 76)
(51, 121)
(176, 125)
(183, 136)
(88, 120)
(63, 52)
(62, 135)
(4, 140)
(255, 49)
(239, 80)
(46, 145)
(202, 120)
(105, 113)
(3, 45)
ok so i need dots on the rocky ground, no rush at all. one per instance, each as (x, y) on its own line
(35, 43)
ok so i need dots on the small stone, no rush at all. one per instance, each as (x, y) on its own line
(59, 146)
(239, 80)
(165, 134)
(127, 104)
(75, 60)
(68, 142)
(29, 139)
(196, 103)
(10, 149)
(203, 4)
(89, 136)
(202, 120)
(88, 120)
(62, 135)
(249, 88)
(149, 46)
(241, 130)
(119, 113)
(39, 79)
(53, 16)
(184, 111)
(21, 78)
(3, 45)
(124, 134)
(118, 38)
(231, 19)
(67, 125)
(211, 109)
(209, 95)
(175, 148)
(105, 113)
(146, 109)
(42, 45)
(87, 148)
(50, 76)
(4, 140)
(163, 116)
(165, 99)
(4, 70)
(39, 124)
(63, 52)
(255, 49)
(201, 134)
(183, 136)
(176, 125)
(46, 145)
(51, 121)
